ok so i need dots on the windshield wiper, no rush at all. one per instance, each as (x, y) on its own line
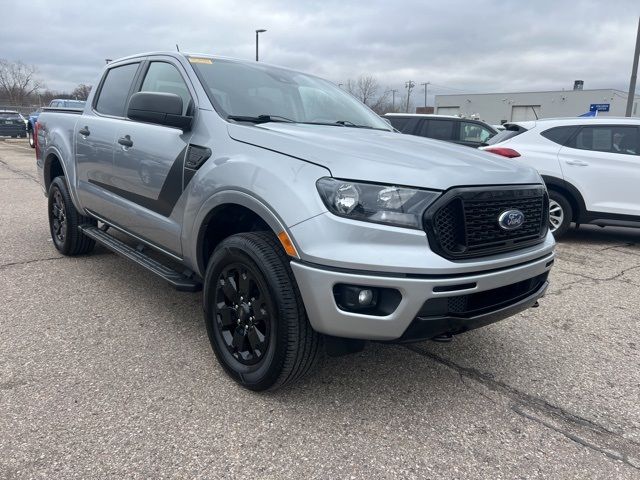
(349, 123)
(260, 118)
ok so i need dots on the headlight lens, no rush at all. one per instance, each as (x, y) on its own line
(392, 205)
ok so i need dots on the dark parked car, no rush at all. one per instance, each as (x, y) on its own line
(12, 124)
(464, 131)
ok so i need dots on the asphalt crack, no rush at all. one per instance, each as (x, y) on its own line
(18, 172)
(26, 262)
(578, 429)
(588, 279)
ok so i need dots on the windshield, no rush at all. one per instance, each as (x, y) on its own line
(252, 90)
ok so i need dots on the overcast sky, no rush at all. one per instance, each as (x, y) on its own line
(471, 46)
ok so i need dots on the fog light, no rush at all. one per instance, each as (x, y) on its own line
(354, 298)
(365, 297)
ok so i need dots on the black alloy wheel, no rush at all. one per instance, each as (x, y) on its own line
(244, 312)
(64, 220)
(58, 219)
(254, 314)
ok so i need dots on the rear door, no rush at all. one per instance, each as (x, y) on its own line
(149, 160)
(603, 163)
(95, 133)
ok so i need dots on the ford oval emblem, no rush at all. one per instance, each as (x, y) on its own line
(511, 219)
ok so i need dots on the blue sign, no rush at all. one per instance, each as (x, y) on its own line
(599, 107)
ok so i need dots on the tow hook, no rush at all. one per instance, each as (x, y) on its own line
(444, 338)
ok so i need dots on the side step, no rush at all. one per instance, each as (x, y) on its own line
(175, 279)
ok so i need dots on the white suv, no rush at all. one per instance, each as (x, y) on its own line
(591, 167)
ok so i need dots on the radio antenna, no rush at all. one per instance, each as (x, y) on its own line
(177, 47)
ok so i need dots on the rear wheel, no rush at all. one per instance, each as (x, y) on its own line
(254, 314)
(64, 220)
(32, 142)
(560, 214)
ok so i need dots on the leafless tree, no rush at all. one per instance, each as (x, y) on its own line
(81, 92)
(364, 88)
(382, 104)
(18, 81)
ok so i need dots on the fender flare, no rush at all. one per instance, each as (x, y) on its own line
(53, 151)
(229, 197)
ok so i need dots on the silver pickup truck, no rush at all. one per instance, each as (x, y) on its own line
(311, 225)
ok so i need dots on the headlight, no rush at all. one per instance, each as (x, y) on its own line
(399, 206)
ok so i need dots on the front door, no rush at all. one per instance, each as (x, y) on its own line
(148, 165)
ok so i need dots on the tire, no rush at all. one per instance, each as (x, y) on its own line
(290, 348)
(32, 142)
(560, 214)
(64, 220)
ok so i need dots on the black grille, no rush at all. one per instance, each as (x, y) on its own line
(464, 223)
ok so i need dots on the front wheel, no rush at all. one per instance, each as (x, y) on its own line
(254, 314)
(64, 220)
(560, 214)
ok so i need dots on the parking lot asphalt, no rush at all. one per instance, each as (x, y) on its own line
(105, 371)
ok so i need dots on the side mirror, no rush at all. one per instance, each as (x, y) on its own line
(159, 108)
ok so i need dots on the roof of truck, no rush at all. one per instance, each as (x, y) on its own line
(192, 55)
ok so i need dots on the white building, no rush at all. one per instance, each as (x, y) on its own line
(496, 108)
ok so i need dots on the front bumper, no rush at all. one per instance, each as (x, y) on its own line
(316, 285)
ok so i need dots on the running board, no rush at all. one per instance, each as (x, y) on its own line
(175, 279)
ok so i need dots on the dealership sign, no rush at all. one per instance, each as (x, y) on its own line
(599, 107)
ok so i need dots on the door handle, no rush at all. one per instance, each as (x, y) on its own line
(84, 131)
(578, 163)
(126, 141)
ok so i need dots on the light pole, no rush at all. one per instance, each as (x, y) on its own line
(393, 100)
(634, 74)
(409, 86)
(262, 30)
(425, 93)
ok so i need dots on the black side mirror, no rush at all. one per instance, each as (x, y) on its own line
(159, 108)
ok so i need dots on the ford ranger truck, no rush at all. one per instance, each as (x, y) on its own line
(309, 223)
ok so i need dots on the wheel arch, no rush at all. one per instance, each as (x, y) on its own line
(226, 214)
(571, 193)
(53, 167)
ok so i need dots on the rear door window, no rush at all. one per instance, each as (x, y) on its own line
(438, 129)
(115, 90)
(607, 138)
(398, 122)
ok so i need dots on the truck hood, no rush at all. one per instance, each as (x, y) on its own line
(385, 157)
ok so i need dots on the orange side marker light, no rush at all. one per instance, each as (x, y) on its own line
(287, 244)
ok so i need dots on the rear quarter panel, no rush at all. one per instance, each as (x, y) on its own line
(536, 151)
(56, 139)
